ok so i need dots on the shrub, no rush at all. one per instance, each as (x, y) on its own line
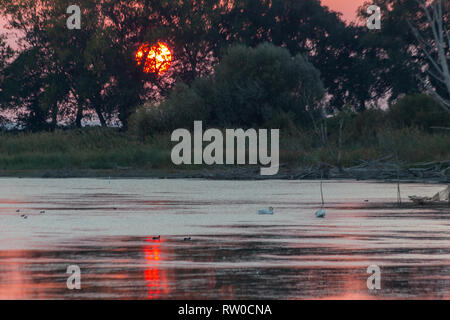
(365, 126)
(418, 110)
(186, 105)
(146, 121)
(413, 145)
(253, 85)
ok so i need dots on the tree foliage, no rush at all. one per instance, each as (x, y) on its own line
(399, 62)
(73, 75)
(418, 110)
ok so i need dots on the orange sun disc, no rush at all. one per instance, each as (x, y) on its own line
(154, 59)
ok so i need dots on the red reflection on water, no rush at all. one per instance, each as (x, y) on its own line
(17, 284)
(154, 275)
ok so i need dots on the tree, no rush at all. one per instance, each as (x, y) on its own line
(253, 85)
(436, 49)
(418, 110)
(394, 63)
(33, 86)
(401, 65)
(22, 90)
(96, 64)
(5, 52)
(102, 77)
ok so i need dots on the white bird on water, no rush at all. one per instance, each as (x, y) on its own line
(320, 213)
(266, 211)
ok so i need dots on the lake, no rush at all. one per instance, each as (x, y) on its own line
(106, 227)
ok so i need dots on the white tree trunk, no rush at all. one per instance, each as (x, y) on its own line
(438, 47)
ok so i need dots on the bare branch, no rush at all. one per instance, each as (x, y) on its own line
(439, 45)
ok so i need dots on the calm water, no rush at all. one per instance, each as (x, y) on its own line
(107, 229)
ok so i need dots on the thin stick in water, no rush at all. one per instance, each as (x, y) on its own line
(321, 188)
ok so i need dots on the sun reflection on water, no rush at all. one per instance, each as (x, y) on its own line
(155, 276)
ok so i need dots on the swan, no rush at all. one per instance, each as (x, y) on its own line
(266, 211)
(320, 213)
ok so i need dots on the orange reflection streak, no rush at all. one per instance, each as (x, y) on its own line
(155, 59)
(15, 283)
(155, 277)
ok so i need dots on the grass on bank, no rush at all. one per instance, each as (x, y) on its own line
(90, 148)
(100, 148)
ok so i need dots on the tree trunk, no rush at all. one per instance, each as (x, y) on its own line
(362, 106)
(439, 42)
(100, 116)
(123, 117)
(54, 117)
(340, 138)
(79, 116)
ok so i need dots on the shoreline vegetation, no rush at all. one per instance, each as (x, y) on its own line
(106, 152)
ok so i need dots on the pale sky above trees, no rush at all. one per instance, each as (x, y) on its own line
(346, 7)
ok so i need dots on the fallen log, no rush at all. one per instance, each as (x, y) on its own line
(443, 196)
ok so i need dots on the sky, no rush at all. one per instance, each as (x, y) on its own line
(346, 7)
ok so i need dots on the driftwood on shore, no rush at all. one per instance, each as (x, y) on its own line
(387, 169)
(443, 196)
(382, 169)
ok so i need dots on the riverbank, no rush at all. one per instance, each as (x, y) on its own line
(242, 173)
(103, 153)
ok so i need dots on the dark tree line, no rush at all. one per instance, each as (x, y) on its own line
(76, 74)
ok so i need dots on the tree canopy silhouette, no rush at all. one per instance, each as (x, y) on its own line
(71, 75)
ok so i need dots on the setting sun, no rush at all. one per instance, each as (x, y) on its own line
(154, 59)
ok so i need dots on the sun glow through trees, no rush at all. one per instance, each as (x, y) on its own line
(154, 59)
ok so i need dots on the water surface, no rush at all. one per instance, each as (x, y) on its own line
(106, 227)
